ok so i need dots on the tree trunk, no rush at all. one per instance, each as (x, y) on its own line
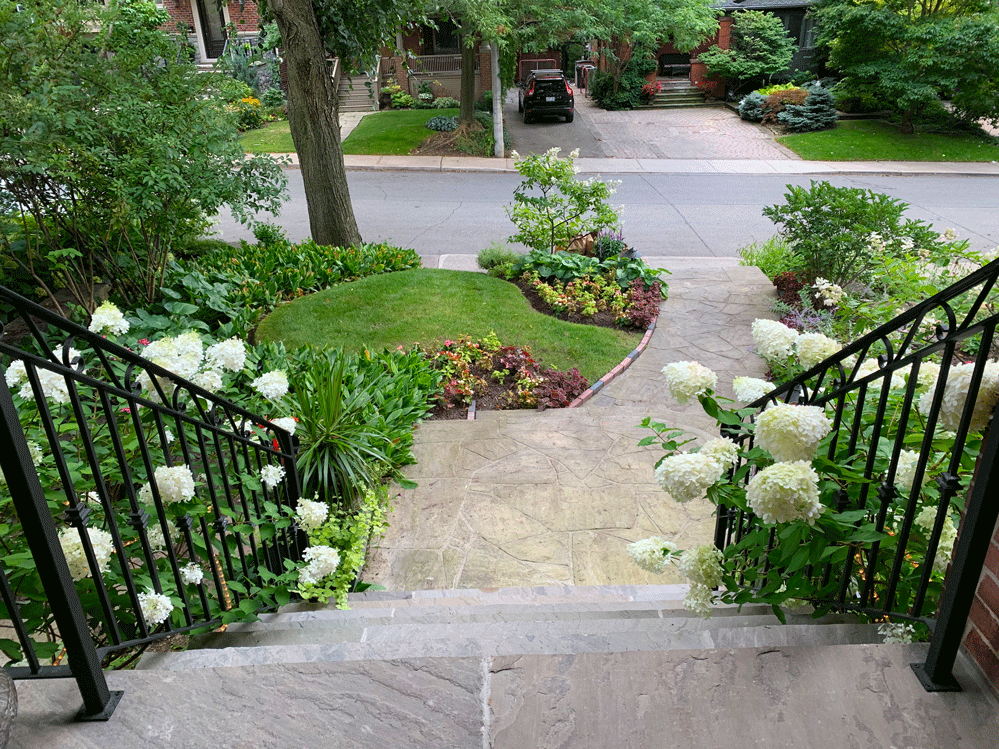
(315, 125)
(906, 125)
(467, 114)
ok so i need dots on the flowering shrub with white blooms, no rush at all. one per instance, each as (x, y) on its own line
(321, 562)
(76, 557)
(229, 354)
(108, 319)
(790, 432)
(749, 389)
(702, 565)
(956, 393)
(699, 600)
(272, 385)
(287, 423)
(175, 484)
(813, 348)
(722, 450)
(271, 475)
(310, 514)
(773, 339)
(652, 554)
(192, 574)
(688, 379)
(156, 607)
(687, 476)
(831, 294)
(905, 473)
(785, 492)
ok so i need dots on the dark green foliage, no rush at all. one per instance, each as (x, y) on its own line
(751, 107)
(628, 93)
(203, 246)
(568, 266)
(442, 124)
(818, 112)
(760, 49)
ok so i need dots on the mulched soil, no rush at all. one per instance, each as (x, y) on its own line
(439, 144)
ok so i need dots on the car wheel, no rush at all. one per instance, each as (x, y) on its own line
(568, 117)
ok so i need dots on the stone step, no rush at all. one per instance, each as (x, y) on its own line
(541, 594)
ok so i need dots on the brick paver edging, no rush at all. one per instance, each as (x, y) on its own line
(625, 363)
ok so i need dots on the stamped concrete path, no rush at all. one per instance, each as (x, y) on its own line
(526, 498)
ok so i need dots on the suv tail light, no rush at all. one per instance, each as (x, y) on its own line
(568, 89)
(530, 89)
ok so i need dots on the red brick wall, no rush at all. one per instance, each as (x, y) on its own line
(981, 638)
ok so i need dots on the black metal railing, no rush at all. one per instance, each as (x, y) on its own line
(125, 482)
(883, 416)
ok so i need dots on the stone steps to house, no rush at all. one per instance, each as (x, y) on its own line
(677, 95)
(353, 95)
(459, 624)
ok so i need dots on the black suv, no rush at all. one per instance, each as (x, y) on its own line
(546, 92)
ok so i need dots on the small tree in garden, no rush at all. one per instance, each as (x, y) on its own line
(551, 207)
(113, 149)
(760, 48)
(817, 112)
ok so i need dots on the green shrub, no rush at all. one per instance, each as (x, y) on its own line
(485, 104)
(269, 235)
(772, 256)
(818, 112)
(442, 124)
(838, 233)
(401, 100)
(497, 254)
(202, 246)
(774, 104)
(767, 90)
(272, 97)
(446, 102)
(751, 107)
(569, 266)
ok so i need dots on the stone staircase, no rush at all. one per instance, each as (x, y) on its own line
(540, 621)
(355, 95)
(676, 94)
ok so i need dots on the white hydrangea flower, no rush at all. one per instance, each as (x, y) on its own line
(154, 534)
(271, 475)
(785, 492)
(702, 565)
(322, 562)
(721, 449)
(175, 484)
(648, 553)
(749, 389)
(287, 423)
(948, 535)
(773, 339)
(272, 385)
(698, 601)
(192, 574)
(15, 374)
(53, 386)
(229, 354)
(91, 498)
(156, 607)
(35, 451)
(76, 558)
(956, 393)
(905, 473)
(208, 379)
(181, 354)
(311, 514)
(688, 379)
(870, 366)
(831, 294)
(687, 476)
(813, 348)
(929, 371)
(108, 319)
(790, 432)
(897, 633)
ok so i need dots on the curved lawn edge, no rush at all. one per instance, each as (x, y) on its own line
(625, 363)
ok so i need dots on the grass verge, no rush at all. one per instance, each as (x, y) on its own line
(394, 132)
(875, 140)
(274, 137)
(428, 306)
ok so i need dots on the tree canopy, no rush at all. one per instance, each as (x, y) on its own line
(760, 47)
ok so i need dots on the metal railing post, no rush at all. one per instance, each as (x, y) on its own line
(982, 511)
(43, 541)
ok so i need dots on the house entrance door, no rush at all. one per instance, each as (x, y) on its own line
(212, 27)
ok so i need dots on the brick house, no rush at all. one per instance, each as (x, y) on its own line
(206, 23)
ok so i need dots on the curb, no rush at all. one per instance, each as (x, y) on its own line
(625, 363)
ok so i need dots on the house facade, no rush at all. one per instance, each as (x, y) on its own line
(207, 23)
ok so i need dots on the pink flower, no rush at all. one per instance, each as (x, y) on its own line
(144, 341)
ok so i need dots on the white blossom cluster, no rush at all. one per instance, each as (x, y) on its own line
(229, 354)
(651, 553)
(76, 558)
(322, 562)
(271, 475)
(789, 432)
(192, 574)
(749, 389)
(175, 484)
(870, 366)
(108, 319)
(830, 293)
(311, 515)
(785, 492)
(905, 473)
(181, 354)
(702, 565)
(813, 348)
(154, 534)
(773, 339)
(15, 374)
(722, 450)
(698, 600)
(929, 371)
(687, 476)
(688, 379)
(956, 393)
(156, 607)
(208, 379)
(897, 633)
(53, 384)
(287, 423)
(272, 385)
(948, 535)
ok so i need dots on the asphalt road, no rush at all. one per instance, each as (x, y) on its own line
(681, 215)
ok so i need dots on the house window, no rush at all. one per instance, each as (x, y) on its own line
(446, 39)
(807, 33)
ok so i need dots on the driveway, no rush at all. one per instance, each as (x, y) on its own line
(713, 132)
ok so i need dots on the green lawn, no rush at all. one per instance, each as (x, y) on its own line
(429, 305)
(875, 140)
(394, 132)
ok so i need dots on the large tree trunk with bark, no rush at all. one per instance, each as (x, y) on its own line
(315, 125)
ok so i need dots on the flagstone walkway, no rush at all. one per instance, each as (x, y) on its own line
(522, 498)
